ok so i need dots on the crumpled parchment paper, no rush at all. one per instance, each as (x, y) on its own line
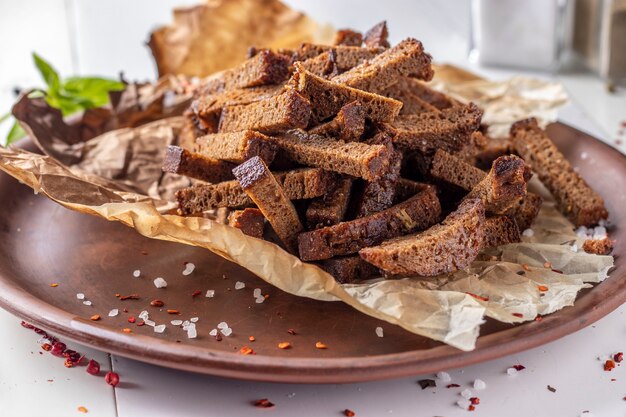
(117, 176)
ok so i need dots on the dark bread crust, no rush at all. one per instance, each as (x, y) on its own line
(416, 213)
(526, 210)
(349, 269)
(435, 98)
(183, 162)
(288, 110)
(328, 97)
(405, 59)
(348, 125)
(412, 104)
(266, 67)
(348, 37)
(249, 220)
(504, 186)
(261, 186)
(298, 184)
(236, 147)
(575, 198)
(449, 129)
(377, 36)
(331, 208)
(500, 230)
(338, 59)
(352, 158)
(442, 249)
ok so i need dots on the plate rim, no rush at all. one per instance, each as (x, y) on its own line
(584, 312)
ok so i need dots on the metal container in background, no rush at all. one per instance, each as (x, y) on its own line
(529, 34)
(600, 37)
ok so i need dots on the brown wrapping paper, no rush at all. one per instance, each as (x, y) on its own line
(117, 176)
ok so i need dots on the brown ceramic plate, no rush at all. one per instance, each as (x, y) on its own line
(42, 243)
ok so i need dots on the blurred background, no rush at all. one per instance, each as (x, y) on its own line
(581, 43)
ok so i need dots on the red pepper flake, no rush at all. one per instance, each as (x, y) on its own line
(54, 285)
(172, 311)
(131, 319)
(551, 388)
(618, 357)
(127, 330)
(320, 345)
(251, 338)
(475, 400)
(525, 267)
(95, 317)
(82, 409)
(349, 413)
(520, 315)
(547, 265)
(118, 295)
(609, 365)
(68, 363)
(519, 367)
(478, 297)
(284, 345)
(157, 303)
(452, 386)
(538, 318)
(291, 332)
(263, 403)
(130, 297)
(558, 271)
(141, 323)
(246, 351)
(143, 252)
(93, 367)
(196, 293)
(112, 379)
(47, 347)
(125, 310)
(471, 408)
(542, 288)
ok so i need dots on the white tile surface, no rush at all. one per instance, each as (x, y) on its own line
(38, 385)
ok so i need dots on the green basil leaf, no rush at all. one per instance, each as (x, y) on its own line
(67, 104)
(48, 73)
(4, 117)
(92, 90)
(15, 133)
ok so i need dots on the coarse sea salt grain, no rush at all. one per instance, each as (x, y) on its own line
(87, 302)
(210, 294)
(240, 285)
(479, 384)
(160, 328)
(584, 155)
(176, 322)
(259, 299)
(213, 332)
(192, 333)
(160, 282)
(149, 322)
(466, 393)
(464, 403)
(511, 371)
(144, 315)
(80, 296)
(379, 332)
(222, 325)
(136, 273)
(528, 233)
(194, 319)
(574, 248)
(599, 232)
(114, 312)
(189, 267)
(227, 331)
(256, 293)
(444, 376)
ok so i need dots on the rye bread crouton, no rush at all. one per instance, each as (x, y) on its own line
(331, 208)
(298, 184)
(348, 125)
(575, 198)
(442, 249)
(416, 213)
(500, 230)
(377, 36)
(194, 165)
(259, 184)
(338, 59)
(348, 37)
(237, 147)
(288, 110)
(249, 220)
(349, 269)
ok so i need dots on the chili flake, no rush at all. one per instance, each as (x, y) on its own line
(291, 332)
(520, 315)
(251, 338)
(538, 318)
(112, 379)
(618, 357)
(551, 388)
(246, 351)
(127, 330)
(263, 403)
(542, 288)
(68, 363)
(196, 293)
(471, 408)
(284, 345)
(130, 297)
(320, 345)
(609, 365)
(478, 297)
(475, 400)
(82, 409)
(117, 295)
(95, 317)
(452, 386)
(47, 347)
(157, 303)
(172, 311)
(349, 413)
(519, 367)
(525, 267)
(131, 319)
(54, 285)
(547, 265)
(426, 383)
